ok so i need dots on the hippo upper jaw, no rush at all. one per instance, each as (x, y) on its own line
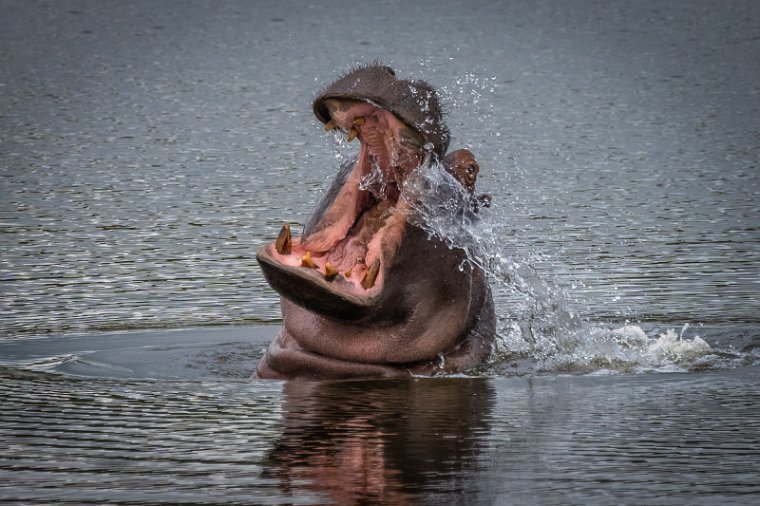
(414, 102)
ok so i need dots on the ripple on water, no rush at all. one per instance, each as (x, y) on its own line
(133, 441)
(653, 438)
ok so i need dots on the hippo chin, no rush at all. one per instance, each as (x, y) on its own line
(365, 291)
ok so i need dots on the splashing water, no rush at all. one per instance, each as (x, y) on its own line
(443, 209)
(547, 330)
(375, 181)
(341, 148)
(543, 328)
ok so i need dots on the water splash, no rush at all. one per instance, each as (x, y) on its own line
(375, 181)
(341, 148)
(446, 210)
(629, 349)
(539, 325)
(545, 328)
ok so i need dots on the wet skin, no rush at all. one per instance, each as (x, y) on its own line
(366, 293)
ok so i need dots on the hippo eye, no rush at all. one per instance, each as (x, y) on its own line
(471, 169)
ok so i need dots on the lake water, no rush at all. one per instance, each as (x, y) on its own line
(148, 149)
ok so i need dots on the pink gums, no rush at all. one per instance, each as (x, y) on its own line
(366, 220)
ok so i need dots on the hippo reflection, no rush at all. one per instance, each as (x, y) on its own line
(365, 291)
(372, 442)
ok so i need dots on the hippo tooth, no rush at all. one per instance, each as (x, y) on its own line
(368, 281)
(307, 261)
(347, 274)
(330, 125)
(284, 242)
(359, 120)
(352, 134)
(330, 271)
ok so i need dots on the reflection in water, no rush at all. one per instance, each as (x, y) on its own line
(592, 440)
(380, 440)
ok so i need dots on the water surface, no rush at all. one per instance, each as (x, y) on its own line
(148, 149)
(201, 433)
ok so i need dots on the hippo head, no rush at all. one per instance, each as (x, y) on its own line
(347, 248)
(361, 265)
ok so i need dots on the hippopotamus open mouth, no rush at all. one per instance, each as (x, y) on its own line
(341, 262)
(358, 287)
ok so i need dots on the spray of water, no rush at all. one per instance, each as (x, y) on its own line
(445, 209)
(541, 327)
(546, 329)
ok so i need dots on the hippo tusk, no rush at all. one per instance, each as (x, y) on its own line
(307, 261)
(368, 281)
(330, 271)
(284, 242)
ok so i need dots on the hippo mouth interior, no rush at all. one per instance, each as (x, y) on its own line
(348, 250)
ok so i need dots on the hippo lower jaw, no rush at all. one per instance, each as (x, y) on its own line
(339, 267)
(311, 287)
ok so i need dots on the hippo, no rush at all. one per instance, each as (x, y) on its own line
(365, 290)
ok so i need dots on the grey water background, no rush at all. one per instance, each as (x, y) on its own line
(148, 149)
